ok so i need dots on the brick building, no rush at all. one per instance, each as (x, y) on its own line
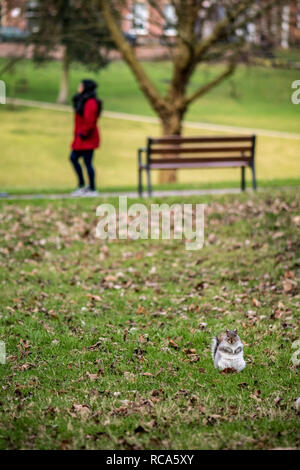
(149, 32)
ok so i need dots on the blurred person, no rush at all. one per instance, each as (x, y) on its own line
(88, 109)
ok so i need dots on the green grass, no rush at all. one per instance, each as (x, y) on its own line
(89, 328)
(35, 149)
(253, 97)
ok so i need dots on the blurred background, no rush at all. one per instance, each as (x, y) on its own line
(47, 48)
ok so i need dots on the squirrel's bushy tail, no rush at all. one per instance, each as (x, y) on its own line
(214, 345)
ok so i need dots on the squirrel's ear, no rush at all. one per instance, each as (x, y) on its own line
(235, 330)
(227, 331)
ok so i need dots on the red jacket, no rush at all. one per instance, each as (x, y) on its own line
(86, 133)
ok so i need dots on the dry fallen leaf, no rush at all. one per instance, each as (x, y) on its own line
(256, 302)
(277, 400)
(92, 377)
(81, 410)
(228, 370)
(141, 310)
(296, 220)
(289, 286)
(172, 344)
(125, 333)
(189, 351)
(95, 298)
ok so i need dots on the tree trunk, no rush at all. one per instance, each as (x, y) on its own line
(171, 125)
(64, 82)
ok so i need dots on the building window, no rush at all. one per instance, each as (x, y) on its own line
(171, 20)
(32, 15)
(15, 12)
(140, 17)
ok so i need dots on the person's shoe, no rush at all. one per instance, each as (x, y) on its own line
(78, 192)
(90, 193)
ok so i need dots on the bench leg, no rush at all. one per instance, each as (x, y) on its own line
(243, 181)
(140, 184)
(254, 184)
(149, 182)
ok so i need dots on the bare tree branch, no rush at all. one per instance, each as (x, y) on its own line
(145, 83)
(213, 83)
(10, 64)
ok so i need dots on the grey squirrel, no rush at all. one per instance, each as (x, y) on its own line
(227, 351)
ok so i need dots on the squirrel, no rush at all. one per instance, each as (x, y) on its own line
(227, 351)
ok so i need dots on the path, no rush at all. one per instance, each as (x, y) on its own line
(153, 120)
(130, 194)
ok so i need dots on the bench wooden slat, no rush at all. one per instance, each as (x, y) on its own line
(204, 139)
(181, 150)
(184, 161)
(211, 164)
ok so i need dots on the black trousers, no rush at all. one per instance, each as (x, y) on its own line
(87, 156)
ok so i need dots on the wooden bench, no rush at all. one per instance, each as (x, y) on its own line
(174, 153)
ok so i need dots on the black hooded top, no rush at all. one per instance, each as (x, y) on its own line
(89, 91)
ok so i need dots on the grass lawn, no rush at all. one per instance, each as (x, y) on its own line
(253, 97)
(35, 149)
(108, 344)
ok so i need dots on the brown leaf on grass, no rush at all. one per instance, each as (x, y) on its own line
(289, 275)
(148, 374)
(289, 286)
(243, 385)
(82, 410)
(172, 344)
(142, 339)
(140, 429)
(24, 345)
(92, 377)
(95, 298)
(194, 357)
(125, 333)
(212, 419)
(189, 351)
(277, 400)
(95, 346)
(296, 220)
(122, 410)
(53, 314)
(110, 278)
(157, 393)
(278, 235)
(256, 302)
(65, 444)
(25, 366)
(11, 358)
(228, 370)
(129, 376)
(256, 395)
(141, 310)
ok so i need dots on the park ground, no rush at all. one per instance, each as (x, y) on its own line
(108, 344)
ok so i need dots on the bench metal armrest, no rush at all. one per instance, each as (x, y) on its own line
(140, 158)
